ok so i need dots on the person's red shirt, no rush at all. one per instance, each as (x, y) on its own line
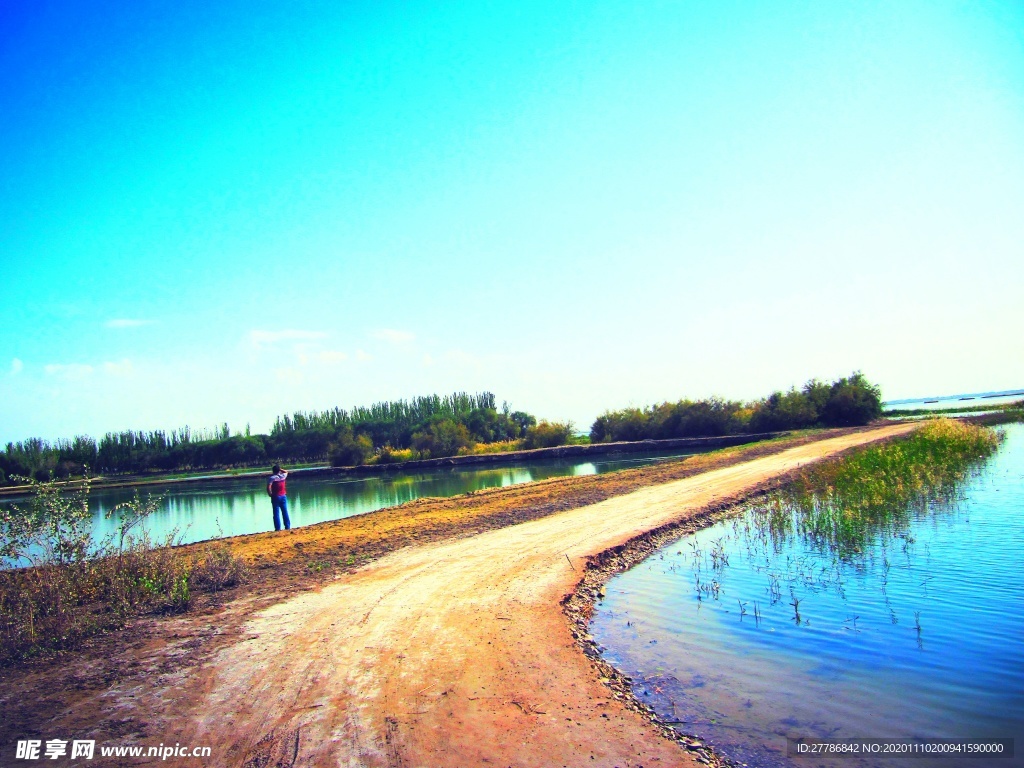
(276, 484)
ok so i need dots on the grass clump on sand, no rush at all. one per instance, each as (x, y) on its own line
(61, 585)
(844, 505)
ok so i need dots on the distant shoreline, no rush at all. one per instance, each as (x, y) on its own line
(699, 444)
(954, 398)
(964, 406)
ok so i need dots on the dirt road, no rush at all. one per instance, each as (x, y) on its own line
(450, 654)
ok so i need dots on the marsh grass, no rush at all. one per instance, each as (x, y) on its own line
(61, 585)
(843, 518)
(844, 505)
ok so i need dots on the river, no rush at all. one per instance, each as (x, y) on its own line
(196, 511)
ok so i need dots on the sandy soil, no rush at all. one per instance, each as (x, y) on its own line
(446, 653)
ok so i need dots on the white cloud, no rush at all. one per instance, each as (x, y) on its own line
(122, 368)
(260, 338)
(69, 370)
(16, 366)
(332, 356)
(393, 336)
(361, 355)
(126, 322)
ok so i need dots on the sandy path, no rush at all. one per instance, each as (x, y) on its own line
(451, 654)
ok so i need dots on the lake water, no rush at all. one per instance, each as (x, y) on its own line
(920, 636)
(948, 402)
(214, 508)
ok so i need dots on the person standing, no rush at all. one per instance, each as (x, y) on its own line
(279, 497)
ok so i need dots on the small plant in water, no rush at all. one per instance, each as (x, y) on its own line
(848, 510)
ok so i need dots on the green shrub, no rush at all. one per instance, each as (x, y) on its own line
(627, 424)
(846, 402)
(852, 402)
(790, 410)
(442, 437)
(548, 434)
(348, 450)
(300, 436)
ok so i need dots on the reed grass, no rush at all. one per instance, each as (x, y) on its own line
(843, 505)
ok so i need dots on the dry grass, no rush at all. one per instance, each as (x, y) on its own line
(501, 446)
(74, 586)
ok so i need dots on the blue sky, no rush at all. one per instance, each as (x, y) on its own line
(224, 212)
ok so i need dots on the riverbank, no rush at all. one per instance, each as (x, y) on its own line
(452, 647)
(691, 444)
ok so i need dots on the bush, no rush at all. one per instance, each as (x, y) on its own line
(845, 402)
(219, 569)
(548, 434)
(301, 436)
(349, 450)
(790, 410)
(686, 418)
(442, 437)
(851, 402)
(700, 418)
(389, 455)
(627, 424)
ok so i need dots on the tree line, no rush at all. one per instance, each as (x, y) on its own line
(434, 424)
(845, 402)
(428, 426)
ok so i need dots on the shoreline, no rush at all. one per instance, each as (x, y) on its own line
(699, 444)
(579, 607)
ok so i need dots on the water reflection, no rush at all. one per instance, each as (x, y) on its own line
(232, 507)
